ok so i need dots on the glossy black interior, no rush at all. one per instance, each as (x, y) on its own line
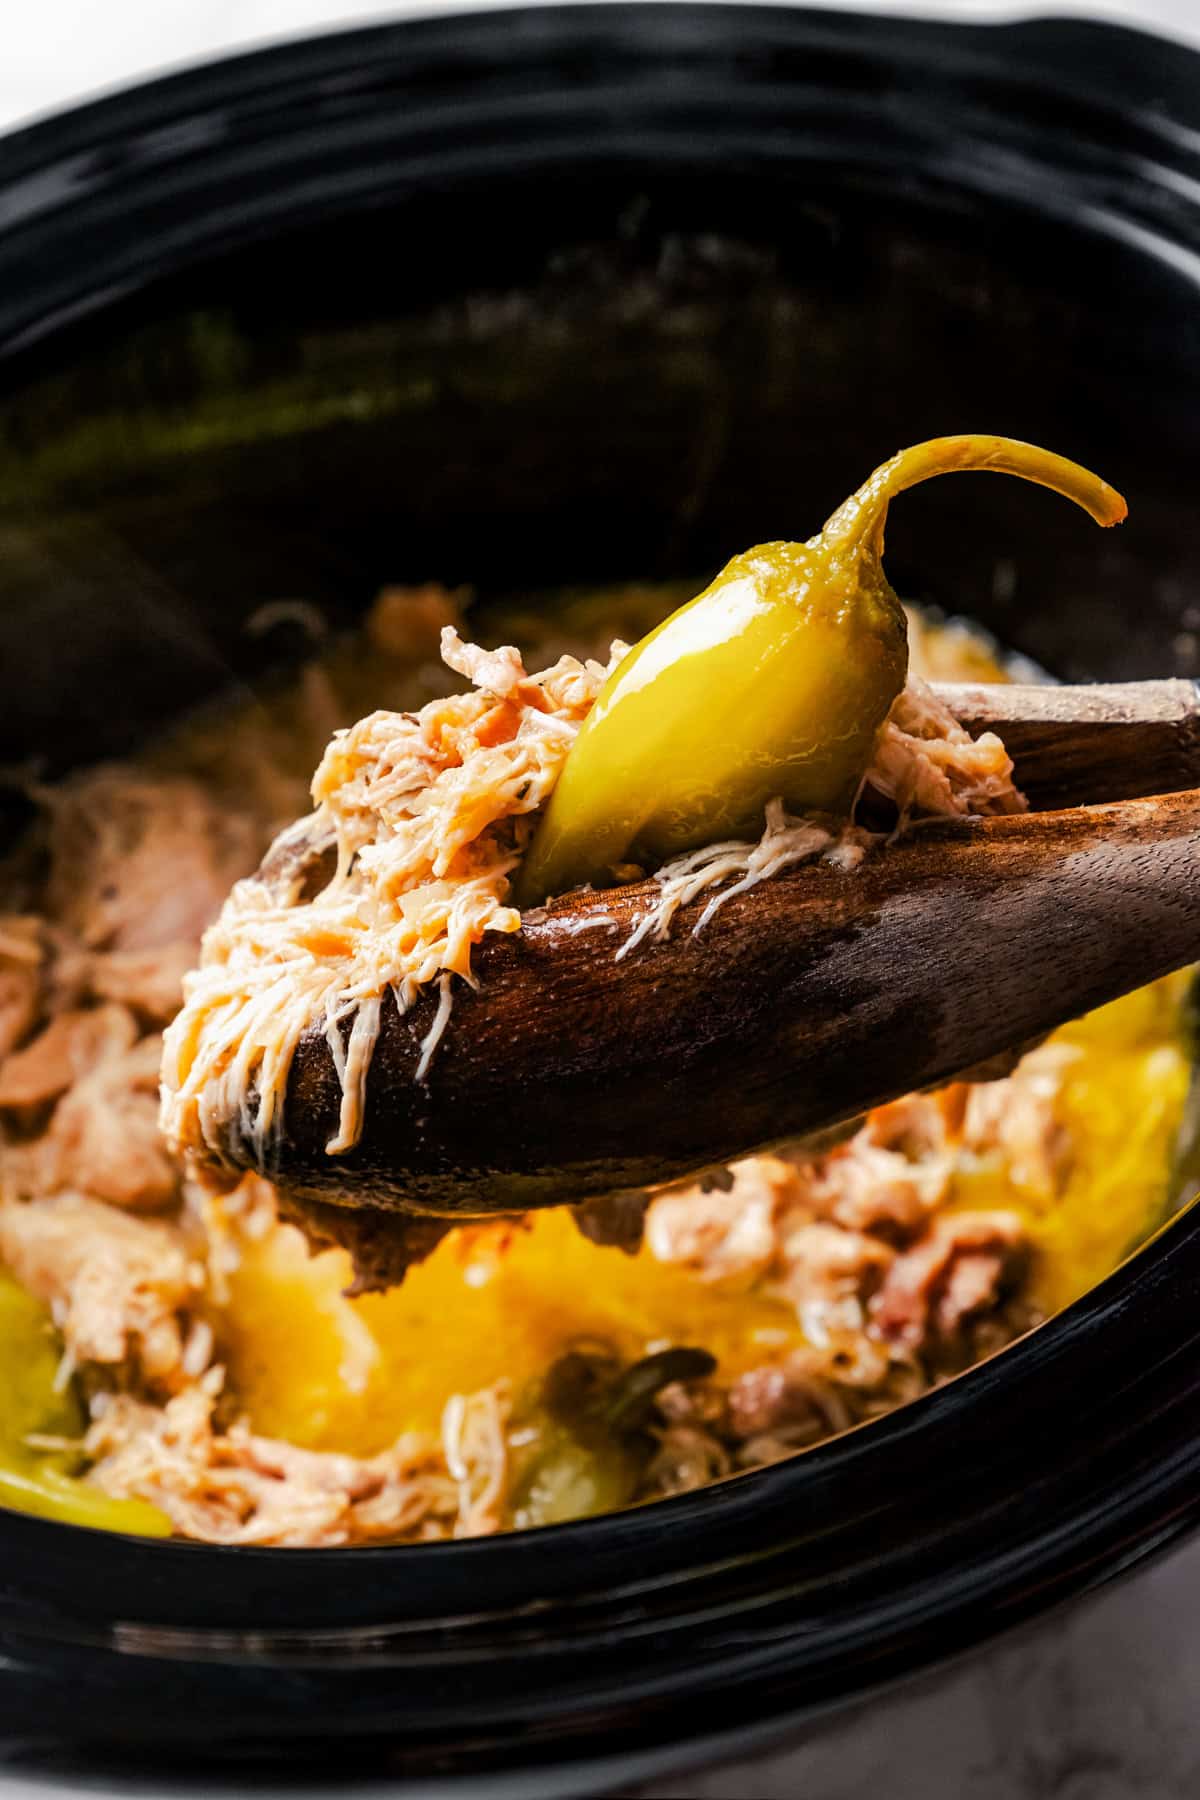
(544, 298)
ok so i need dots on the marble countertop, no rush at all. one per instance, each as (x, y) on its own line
(1097, 1702)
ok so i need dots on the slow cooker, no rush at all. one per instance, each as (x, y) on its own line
(531, 299)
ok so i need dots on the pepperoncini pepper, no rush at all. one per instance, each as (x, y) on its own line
(33, 1477)
(591, 1444)
(772, 682)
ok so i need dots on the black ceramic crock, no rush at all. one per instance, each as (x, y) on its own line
(552, 297)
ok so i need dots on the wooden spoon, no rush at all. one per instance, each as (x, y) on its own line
(806, 1000)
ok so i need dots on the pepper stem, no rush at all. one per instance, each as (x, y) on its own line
(862, 516)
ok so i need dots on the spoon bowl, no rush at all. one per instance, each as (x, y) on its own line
(571, 1071)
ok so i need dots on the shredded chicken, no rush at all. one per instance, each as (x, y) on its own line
(784, 842)
(926, 764)
(429, 813)
(234, 1487)
(886, 1284)
(476, 1450)
(769, 1412)
(1017, 1118)
(894, 1172)
(424, 814)
(21, 960)
(118, 1288)
(148, 982)
(104, 1137)
(790, 1396)
(954, 1272)
(160, 855)
(828, 1274)
(722, 1234)
(72, 1045)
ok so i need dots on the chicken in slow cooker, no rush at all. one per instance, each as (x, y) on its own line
(191, 1366)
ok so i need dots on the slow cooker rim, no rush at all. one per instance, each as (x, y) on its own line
(124, 145)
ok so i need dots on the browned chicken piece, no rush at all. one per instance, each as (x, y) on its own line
(829, 1274)
(160, 853)
(104, 1137)
(22, 955)
(876, 1188)
(960, 1268)
(406, 623)
(723, 1234)
(149, 982)
(140, 862)
(71, 1045)
(782, 1396)
(1018, 1118)
(117, 1287)
(917, 1127)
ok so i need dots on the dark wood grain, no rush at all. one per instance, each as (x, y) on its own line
(807, 999)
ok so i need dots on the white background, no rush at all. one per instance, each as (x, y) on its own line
(55, 51)
(1095, 1703)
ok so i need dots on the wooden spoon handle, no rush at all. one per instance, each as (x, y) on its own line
(1076, 745)
(804, 1001)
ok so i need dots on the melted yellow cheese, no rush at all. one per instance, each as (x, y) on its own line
(331, 1373)
(1122, 1103)
(41, 1424)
